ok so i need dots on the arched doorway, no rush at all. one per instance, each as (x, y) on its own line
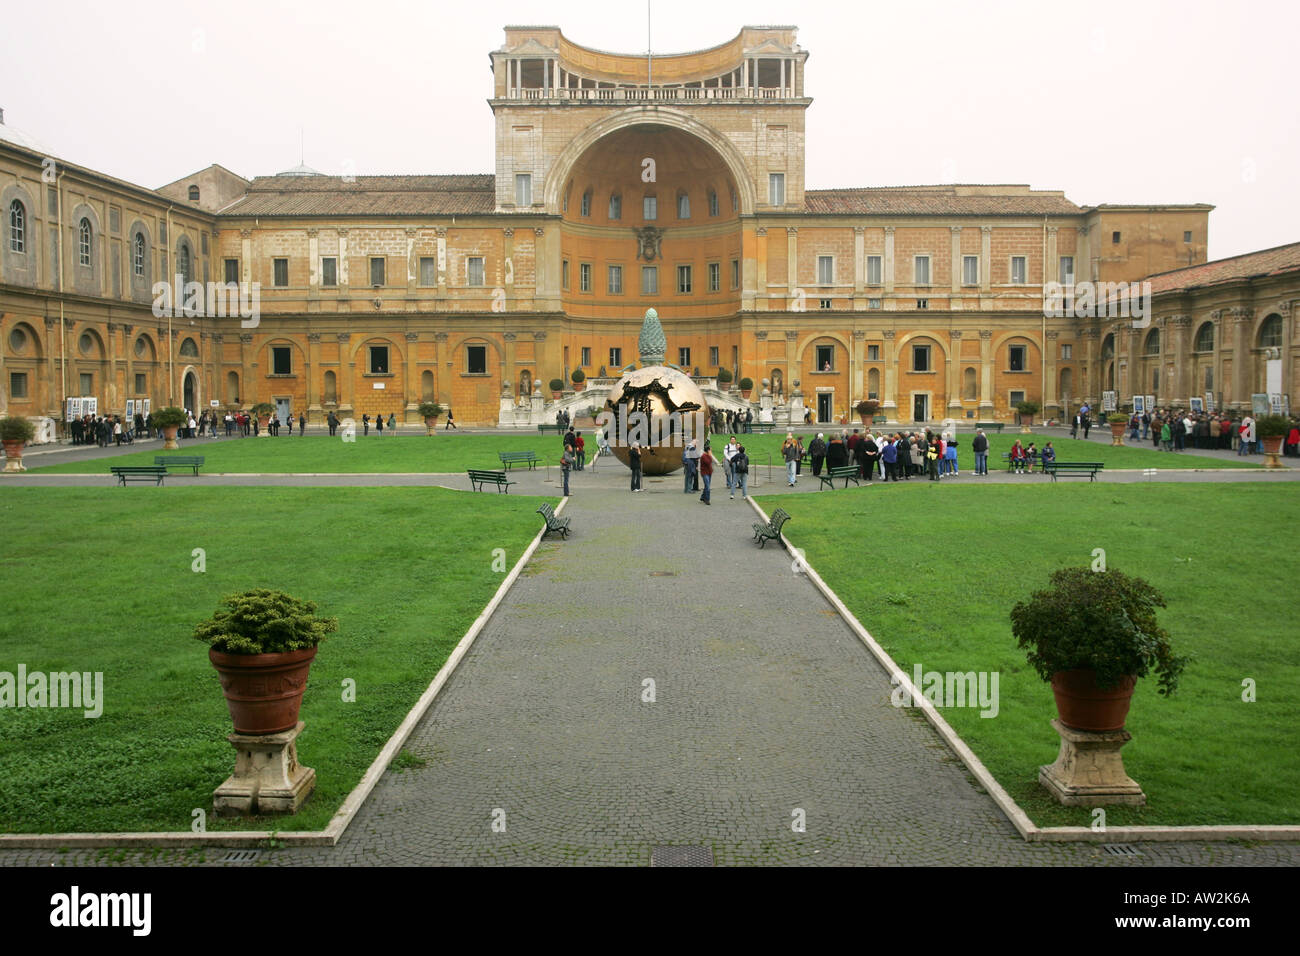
(190, 390)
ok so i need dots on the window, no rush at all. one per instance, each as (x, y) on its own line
(873, 270)
(280, 279)
(377, 271)
(615, 283)
(873, 353)
(1205, 338)
(1015, 398)
(17, 384)
(713, 356)
(684, 357)
(564, 274)
(825, 358)
(1187, 235)
(137, 255)
(189, 349)
(715, 276)
(83, 242)
(1018, 270)
(1067, 351)
(923, 303)
(281, 360)
(474, 271)
(650, 208)
(649, 280)
(825, 303)
(476, 359)
(921, 269)
(194, 193)
(1067, 270)
(683, 279)
(615, 358)
(584, 277)
(735, 201)
(585, 208)
(87, 383)
(379, 360)
(586, 356)
(683, 206)
(825, 270)
(970, 270)
(1270, 333)
(1152, 346)
(713, 203)
(735, 273)
(616, 206)
(86, 343)
(183, 263)
(231, 270)
(873, 303)
(776, 189)
(140, 384)
(920, 358)
(1114, 238)
(428, 271)
(1017, 357)
(523, 189)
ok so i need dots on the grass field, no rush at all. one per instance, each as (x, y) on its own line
(94, 587)
(935, 587)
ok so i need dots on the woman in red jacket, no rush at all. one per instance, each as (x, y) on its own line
(1018, 457)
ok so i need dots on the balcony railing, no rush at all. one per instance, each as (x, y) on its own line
(669, 94)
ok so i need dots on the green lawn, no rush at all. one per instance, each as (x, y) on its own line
(109, 586)
(934, 581)
(1137, 455)
(321, 454)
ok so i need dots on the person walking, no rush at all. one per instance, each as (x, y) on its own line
(817, 453)
(688, 467)
(580, 450)
(790, 452)
(889, 455)
(451, 421)
(634, 462)
(740, 465)
(392, 422)
(729, 452)
(365, 424)
(706, 472)
(379, 424)
(980, 445)
(302, 424)
(1166, 437)
(566, 462)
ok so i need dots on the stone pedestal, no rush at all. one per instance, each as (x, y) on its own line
(267, 777)
(1089, 771)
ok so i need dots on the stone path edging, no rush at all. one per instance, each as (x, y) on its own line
(1028, 830)
(351, 803)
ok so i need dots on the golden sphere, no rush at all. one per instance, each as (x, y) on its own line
(662, 409)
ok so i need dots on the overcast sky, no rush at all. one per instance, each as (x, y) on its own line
(1122, 101)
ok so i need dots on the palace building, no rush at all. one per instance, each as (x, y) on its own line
(621, 184)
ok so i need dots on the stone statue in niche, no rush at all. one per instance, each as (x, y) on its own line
(525, 385)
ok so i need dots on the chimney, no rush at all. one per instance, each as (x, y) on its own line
(2, 116)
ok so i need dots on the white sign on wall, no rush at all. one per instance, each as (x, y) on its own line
(378, 386)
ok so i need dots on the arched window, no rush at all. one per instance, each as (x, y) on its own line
(1108, 347)
(17, 227)
(189, 349)
(83, 241)
(137, 255)
(586, 203)
(183, 266)
(1270, 333)
(683, 206)
(615, 206)
(1204, 338)
(194, 194)
(1152, 346)
(713, 202)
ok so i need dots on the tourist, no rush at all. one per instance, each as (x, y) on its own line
(903, 449)
(580, 450)
(451, 421)
(1247, 435)
(740, 465)
(706, 471)
(798, 462)
(634, 462)
(1134, 423)
(1031, 455)
(392, 422)
(688, 466)
(566, 462)
(870, 455)
(1290, 448)
(860, 456)
(1049, 455)
(729, 452)
(980, 445)
(1166, 437)
(749, 420)
(950, 456)
(1018, 457)
(790, 454)
(1146, 425)
(379, 425)
(1075, 425)
(932, 454)
(331, 422)
(694, 452)
(288, 420)
(817, 453)
(302, 424)
(836, 455)
(365, 424)
(889, 455)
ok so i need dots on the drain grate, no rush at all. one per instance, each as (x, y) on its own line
(1120, 849)
(241, 856)
(681, 856)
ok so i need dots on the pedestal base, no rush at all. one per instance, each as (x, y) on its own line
(14, 465)
(1089, 771)
(267, 777)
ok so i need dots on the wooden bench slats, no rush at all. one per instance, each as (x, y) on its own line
(1074, 469)
(509, 458)
(552, 522)
(180, 461)
(125, 473)
(847, 472)
(772, 528)
(478, 478)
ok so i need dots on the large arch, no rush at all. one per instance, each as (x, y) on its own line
(562, 167)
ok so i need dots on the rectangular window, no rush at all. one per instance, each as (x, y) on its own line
(615, 280)
(476, 359)
(825, 303)
(1067, 270)
(377, 271)
(713, 203)
(586, 203)
(615, 358)
(683, 206)
(825, 270)
(281, 360)
(873, 270)
(17, 384)
(923, 303)
(920, 358)
(715, 276)
(1016, 357)
(586, 356)
(873, 353)
(584, 277)
(684, 357)
(379, 360)
(428, 271)
(776, 189)
(280, 279)
(735, 273)
(1187, 236)
(87, 383)
(1016, 397)
(683, 279)
(1114, 238)
(650, 208)
(564, 274)
(713, 356)
(523, 189)
(873, 303)
(616, 206)
(921, 269)
(1018, 270)
(1067, 351)
(825, 358)
(970, 270)
(474, 271)
(649, 280)
(232, 270)
(140, 386)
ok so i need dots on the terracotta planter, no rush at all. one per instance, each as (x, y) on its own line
(263, 691)
(1117, 432)
(263, 425)
(14, 455)
(1026, 423)
(169, 436)
(556, 395)
(579, 386)
(1081, 704)
(1272, 448)
(745, 392)
(431, 423)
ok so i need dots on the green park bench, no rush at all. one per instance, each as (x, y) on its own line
(552, 522)
(1030, 460)
(479, 478)
(762, 428)
(125, 473)
(878, 419)
(509, 458)
(1073, 469)
(543, 429)
(847, 472)
(180, 461)
(991, 426)
(764, 530)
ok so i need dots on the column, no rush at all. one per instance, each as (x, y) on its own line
(128, 346)
(440, 378)
(859, 267)
(346, 382)
(888, 264)
(1090, 388)
(510, 375)
(986, 368)
(857, 379)
(890, 406)
(246, 256)
(1216, 360)
(412, 266)
(956, 258)
(760, 282)
(442, 262)
(313, 269)
(1182, 358)
(412, 374)
(542, 283)
(507, 264)
(1284, 309)
(954, 371)
(1050, 348)
(314, 375)
(248, 390)
(791, 371)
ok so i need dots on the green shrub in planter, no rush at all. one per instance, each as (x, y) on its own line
(1272, 426)
(724, 376)
(746, 384)
(578, 376)
(1103, 621)
(262, 621)
(430, 409)
(263, 410)
(13, 428)
(1117, 418)
(170, 416)
(557, 385)
(868, 406)
(1028, 408)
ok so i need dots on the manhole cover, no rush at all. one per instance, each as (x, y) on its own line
(1120, 849)
(241, 856)
(681, 856)
(663, 574)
